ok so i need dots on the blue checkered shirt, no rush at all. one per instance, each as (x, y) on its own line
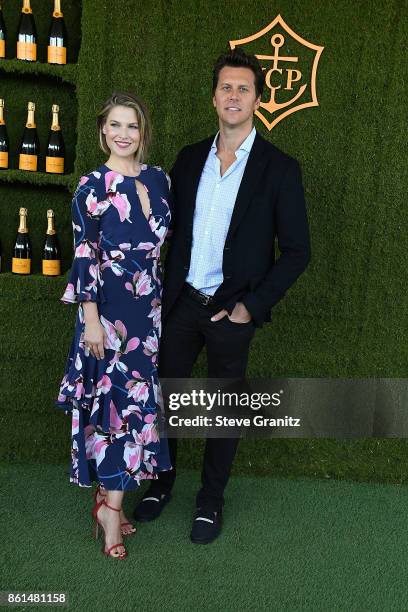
(215, 202)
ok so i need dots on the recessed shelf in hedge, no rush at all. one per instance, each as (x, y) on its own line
(17, 90)
(42, 11)
(67, 73)
(36, 178)
(37, 198)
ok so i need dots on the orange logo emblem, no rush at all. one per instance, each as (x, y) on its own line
(290, 65)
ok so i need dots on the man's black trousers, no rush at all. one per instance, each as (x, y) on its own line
(186, 330)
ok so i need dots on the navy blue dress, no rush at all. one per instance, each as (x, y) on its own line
(115, 402)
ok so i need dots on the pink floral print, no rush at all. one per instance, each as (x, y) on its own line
(114, 402)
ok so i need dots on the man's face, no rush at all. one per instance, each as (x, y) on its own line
(235, 97)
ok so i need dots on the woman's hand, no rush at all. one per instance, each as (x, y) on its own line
(94, 338)
(94, 333)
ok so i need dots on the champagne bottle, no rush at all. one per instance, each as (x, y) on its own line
(30, 146)
(3, 35)
(21, 262)
(4, 141)
(57, 37)
(54, 161)
(27, 34)
(51, 262)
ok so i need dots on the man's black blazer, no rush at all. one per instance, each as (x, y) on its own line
(270, 203)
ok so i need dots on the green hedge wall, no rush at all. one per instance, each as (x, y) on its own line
(346, 316)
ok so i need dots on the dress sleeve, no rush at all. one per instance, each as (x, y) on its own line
(85, 282)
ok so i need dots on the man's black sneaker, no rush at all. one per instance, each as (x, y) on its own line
(206, 526)
(150, 506)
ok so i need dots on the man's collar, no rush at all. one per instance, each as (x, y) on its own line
(245, 146)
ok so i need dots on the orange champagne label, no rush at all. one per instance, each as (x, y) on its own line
(54, 165)
(3, 159)
(26, 51)
(21, 266)
(57, 55)
(28, 162)
(2, 48)
(51, 267)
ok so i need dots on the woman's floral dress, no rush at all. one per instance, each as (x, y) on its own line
(115, 402)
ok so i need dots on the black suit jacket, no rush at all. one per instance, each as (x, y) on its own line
(270, 203)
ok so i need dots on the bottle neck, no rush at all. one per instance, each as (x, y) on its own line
(57, 9)
(55, 126)
(30, 119)
(26, 7)
(2, 122)
(51, 226)
(22, 228)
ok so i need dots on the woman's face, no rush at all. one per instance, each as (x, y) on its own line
(121, 131)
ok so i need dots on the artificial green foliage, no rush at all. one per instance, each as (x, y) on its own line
(286, 546)
(65, 73)
(13, 175)
(345, 317)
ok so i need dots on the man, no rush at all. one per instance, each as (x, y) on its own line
(233, 194)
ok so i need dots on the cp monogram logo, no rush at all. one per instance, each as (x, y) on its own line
(290, 72)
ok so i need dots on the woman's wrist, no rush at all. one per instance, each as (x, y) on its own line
(91, 315)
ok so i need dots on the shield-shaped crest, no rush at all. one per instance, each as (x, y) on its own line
(290, 65)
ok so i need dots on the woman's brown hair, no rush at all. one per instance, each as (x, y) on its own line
(126, 98)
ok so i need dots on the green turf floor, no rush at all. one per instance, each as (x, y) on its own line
(286, 545)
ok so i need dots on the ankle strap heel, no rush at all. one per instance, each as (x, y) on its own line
(107, 553)
(104, 503)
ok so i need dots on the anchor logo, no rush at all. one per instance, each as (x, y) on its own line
(284, 73)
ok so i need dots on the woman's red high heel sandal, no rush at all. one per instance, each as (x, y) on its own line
(97, 522)
(101, 494)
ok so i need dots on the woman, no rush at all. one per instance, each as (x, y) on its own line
(120, 218)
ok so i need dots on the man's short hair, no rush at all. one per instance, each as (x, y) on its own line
(237, 58)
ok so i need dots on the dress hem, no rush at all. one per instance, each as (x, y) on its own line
(137, 481)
